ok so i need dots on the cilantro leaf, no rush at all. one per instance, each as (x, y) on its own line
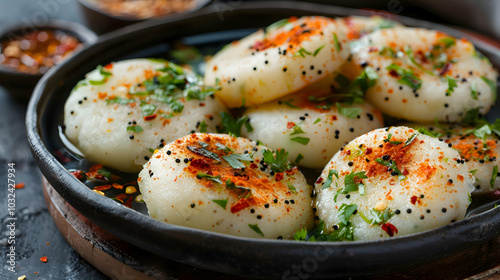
(452, 84)
(336, 40)
(392, 166)
(492, 85)
(232, 126)
(104, 77)
(119, 101)
(221, 202)
(203, 126)
(349, 112)
(278, 163)
(242, 191)
(406, 77)
(388, 139)
(299, 158)
(409, 140)
(318, 50)
(291, 187)
(135, 128)
(376, 217)
(345, 212)
(203, 152)
(329, 178)
(234, 160)
(494, 176)
(256, 229)
(212, 178)
(147, 109)
(425, 131)
(352, 181)
(301, 140)
(473, 91)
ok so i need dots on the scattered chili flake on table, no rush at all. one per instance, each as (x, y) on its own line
(43, 259)
(19, 185)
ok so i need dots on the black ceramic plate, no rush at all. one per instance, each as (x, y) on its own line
(213, 251)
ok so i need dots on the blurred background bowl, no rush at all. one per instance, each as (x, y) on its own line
(20, 84)
(102, 21)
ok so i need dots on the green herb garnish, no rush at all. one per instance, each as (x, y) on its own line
(256, 229)
(329, 179)
(135, 128)
(234, 160)
(278, 163)
(221, 202)
(212, 178)
(406, 77)
(494, 176)
(232, 126)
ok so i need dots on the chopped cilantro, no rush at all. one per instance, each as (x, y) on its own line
(289, 104)
(302, 52)
(212, 178)
(409, 140)
(221, 202)
(234, 160)
(329, 178)
(388, 51)
(349, 112)
(494, 176)
(223, 148)
(119, 100)
(473, 90)
(425, 131)
(135, 128)
(482, 132)
(336, 40)
(203, 126)
(317, 121)
(300, 140)
(104, 77)
(355, 90)
(452, 84)
(346, 211)
(376, 217)
(291, 187)
(204, 152)
(350, 182)
(406, 77)
(279, 163)
(318, 50)
(492, 85)
(448, 42)
(242, 191)
(299, 158)
(297, 130)
(147, 109)
(392, 166)
(388, 139)
(256, 229)
(232, 126)
(409, 53)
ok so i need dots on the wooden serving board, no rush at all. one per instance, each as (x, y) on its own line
(119, 259)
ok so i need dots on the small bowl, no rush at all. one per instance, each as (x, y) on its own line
(19, 84)
(102, 21)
